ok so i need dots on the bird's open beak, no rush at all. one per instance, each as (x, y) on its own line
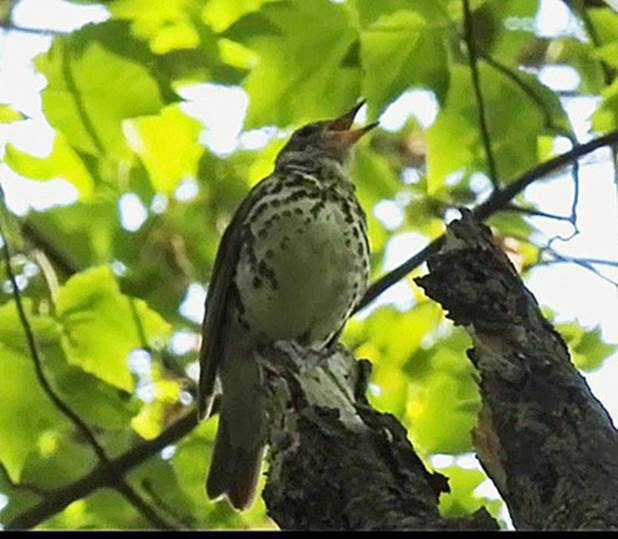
(339, 131)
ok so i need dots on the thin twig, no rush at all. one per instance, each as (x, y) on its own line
(102, 476)
(584, 263)
(10, 27)
(30, 487)
(473, 61)
(497, 201)
(185, 521)
(143, 506)
(66, 410)
(536, 213)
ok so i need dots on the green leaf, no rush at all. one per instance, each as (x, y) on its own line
(150, 421)
(605, 117)
(62, 162)
(99, 326)
(369, 11)
(394, 52)
(168, 26)
(26, 410)
(91, 90)
(461, 500)
(588, 351)
(375, 179)
(504, 30)
(168, 146)
(8, 114)
(221, 14)
(444, 401)
(513, 135)
(390, 337)
(299, 74)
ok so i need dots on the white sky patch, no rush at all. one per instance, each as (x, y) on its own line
(132, 212)
(20, 83)
(192, 306)
(400, 247)
(193, 370)
(256, 139)
(552, 19)
(579, 110)
(389, 214)
(399, 296)
(140, 362)
(168, 452)
(119, 268)
(560, 78)
(186, 190)
(183, 341)
(23, 194)
(185, 398)
(561, 144)
(159, 203)
(441, 460)
(57, 14)
(222, 109)
(421, 104)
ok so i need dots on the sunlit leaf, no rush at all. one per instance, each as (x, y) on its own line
(167, 145)
(26, 410)
(62, 162)
(301, 46)
(461, 501)
(75, 103)
(8, 114)
(92, 311)
(394, 52)
(587, 348)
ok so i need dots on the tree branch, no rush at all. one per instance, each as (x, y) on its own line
(547, 443)
(65, 409)
(142, 506)
(476, 83)
(335, 462)
(496, 202)
(102, 475)
(10, 27)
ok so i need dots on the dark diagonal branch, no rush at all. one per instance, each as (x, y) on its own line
(476, 83)
(496, 202)
(102, 476)
(66, 410)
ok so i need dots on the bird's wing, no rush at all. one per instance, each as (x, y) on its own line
(216, 300)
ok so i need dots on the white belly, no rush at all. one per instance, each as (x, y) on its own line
(300, 276)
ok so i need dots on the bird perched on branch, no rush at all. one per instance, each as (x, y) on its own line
(292, 265)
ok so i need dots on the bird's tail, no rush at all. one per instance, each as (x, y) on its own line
(234, 471)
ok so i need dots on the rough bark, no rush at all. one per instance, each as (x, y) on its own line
(336, 463)
(544, 439)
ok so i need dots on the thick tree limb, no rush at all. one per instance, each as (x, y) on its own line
(548, 444)
(336, 463)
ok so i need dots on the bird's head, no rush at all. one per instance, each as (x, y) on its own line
(325, 139)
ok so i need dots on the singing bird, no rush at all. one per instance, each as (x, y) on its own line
(291, 266)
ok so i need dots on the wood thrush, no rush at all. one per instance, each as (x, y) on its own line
(291, 266)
